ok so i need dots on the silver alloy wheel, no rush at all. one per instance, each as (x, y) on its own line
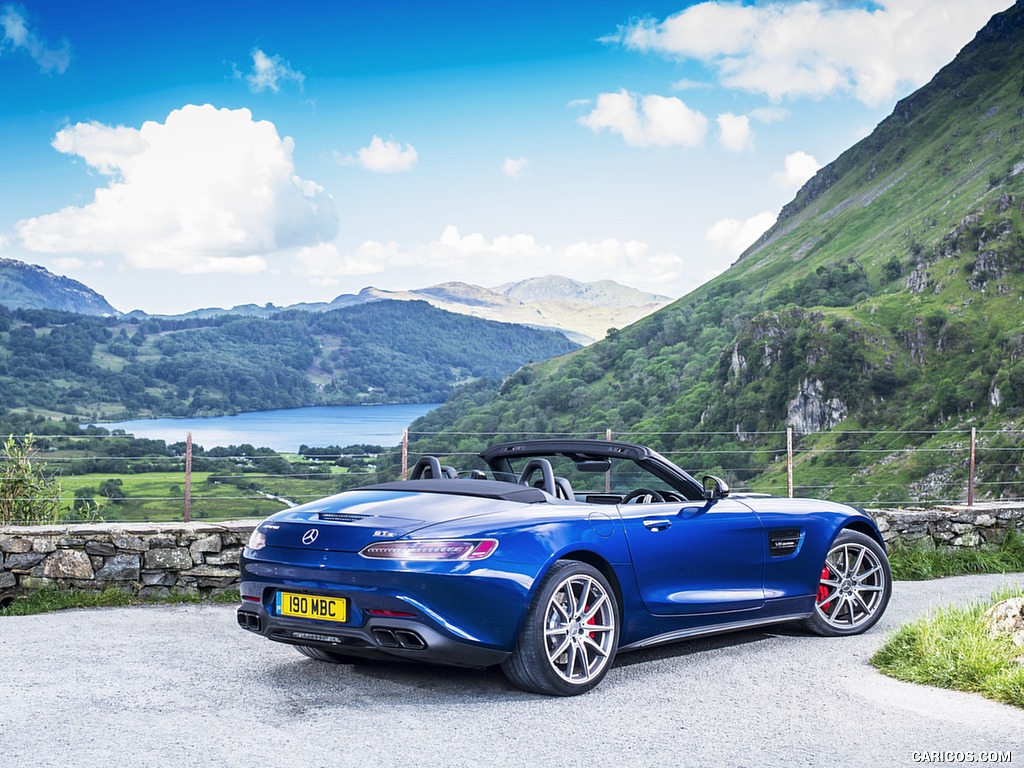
(852, 587)
(579, 629)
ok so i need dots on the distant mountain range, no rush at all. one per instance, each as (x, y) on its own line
(583, 312)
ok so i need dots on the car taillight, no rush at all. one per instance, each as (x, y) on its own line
(256, 540)
(431, 549)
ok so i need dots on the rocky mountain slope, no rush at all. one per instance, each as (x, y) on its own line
(29, 286)
(885, 305)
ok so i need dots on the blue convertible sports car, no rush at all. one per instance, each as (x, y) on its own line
(548, 559)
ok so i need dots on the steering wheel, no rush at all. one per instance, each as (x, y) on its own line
(643, 496)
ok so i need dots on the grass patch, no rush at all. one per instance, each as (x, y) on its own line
(48, 600)
(160, 497)
(952, 649)
(919, 563)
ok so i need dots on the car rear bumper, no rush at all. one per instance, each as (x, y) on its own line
(377, 638)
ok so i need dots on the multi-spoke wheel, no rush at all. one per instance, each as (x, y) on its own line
(854, 587)
(570, 634)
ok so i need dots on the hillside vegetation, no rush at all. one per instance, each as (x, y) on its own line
(386, 352)
(888, 297)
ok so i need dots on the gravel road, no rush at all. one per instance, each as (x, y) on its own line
(182, 685)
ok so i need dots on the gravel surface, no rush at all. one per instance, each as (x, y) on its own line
(183, 685)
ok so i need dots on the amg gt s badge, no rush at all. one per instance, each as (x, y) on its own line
(310, 536)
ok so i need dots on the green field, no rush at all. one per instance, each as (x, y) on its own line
(160, 496)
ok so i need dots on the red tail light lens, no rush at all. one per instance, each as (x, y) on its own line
(431, 549)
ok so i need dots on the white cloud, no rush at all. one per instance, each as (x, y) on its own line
(209, 190)
(383, 156)
(769, 115)
(103, 147)
(18, 35)
(734, 132)
(323, 264)
(269, 71)
(690, 85)
(73, 263)
(513, 167)
(798, 168)
(732, 236)
(498, 259)
(816, 48)
(658, 121)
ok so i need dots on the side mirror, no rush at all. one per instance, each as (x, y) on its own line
(715, 488)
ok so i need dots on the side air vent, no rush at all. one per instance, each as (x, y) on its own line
(341, 517)
(784, 541)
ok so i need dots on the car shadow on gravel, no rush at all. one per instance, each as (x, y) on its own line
(341, 684)
(694, 646)
(382, 679)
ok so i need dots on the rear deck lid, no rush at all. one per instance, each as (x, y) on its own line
(349, 521)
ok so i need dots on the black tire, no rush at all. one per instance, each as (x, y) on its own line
(330, 656)
(570, 635)
(854, 588)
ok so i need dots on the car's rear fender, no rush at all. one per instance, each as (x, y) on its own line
(867, 527)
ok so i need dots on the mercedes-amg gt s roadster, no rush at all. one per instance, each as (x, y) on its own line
(551, 557)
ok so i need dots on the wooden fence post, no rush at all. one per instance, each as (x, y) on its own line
(405, 453)
(188, 477)
(970, 471)
(789, 461)
(608, 474)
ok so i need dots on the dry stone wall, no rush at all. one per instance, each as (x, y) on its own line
(148, 560)
(951, 526)
(155, 559)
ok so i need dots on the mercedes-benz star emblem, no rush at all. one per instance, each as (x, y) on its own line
(310, 536)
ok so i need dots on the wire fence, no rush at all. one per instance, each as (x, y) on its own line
(869, 468)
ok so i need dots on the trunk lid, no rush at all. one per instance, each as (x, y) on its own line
(350, 520)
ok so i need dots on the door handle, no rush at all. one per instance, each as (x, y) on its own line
(658, 524)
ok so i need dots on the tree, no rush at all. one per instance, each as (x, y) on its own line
(27, 495)
(112, 489)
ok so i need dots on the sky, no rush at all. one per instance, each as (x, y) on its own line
(173, 156)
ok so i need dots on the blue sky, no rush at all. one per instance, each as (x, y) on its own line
(181, 155)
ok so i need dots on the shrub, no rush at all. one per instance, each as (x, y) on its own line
(27, 495)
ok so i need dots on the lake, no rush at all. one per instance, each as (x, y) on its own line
(285, 430)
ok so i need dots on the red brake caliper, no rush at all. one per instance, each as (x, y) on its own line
(591, 620)
(823, 588)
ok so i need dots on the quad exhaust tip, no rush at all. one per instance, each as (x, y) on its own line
(250, 621)
(387, 637)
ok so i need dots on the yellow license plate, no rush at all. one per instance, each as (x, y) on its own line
(312, 607)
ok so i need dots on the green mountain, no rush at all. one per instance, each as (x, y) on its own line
(29, 286)
(888, 298)
(385, 352)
